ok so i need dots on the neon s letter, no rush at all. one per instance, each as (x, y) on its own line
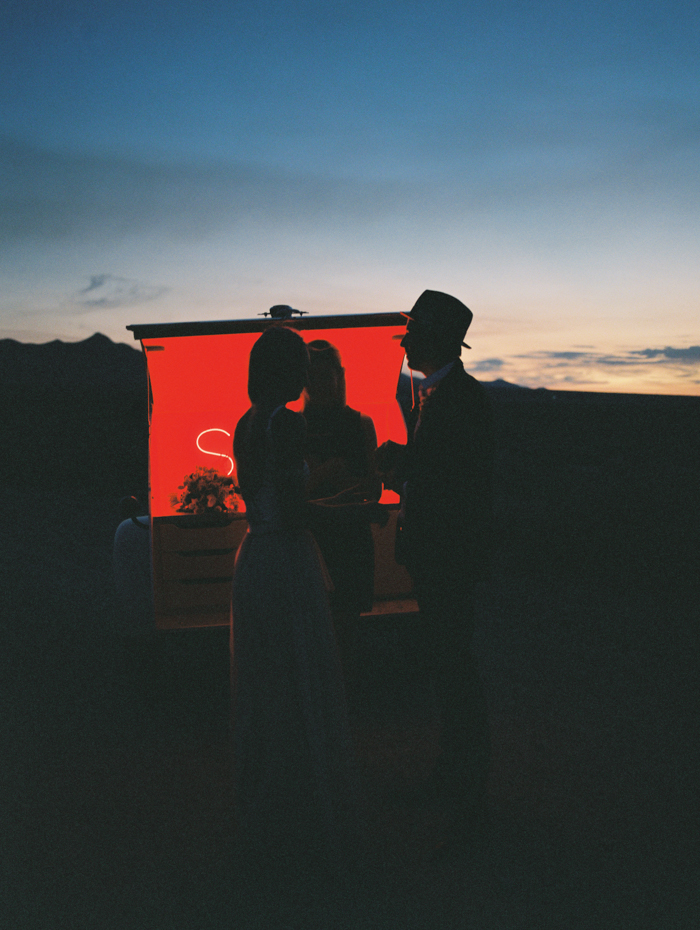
(209, 452)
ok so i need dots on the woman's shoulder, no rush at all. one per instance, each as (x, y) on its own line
(285, 419)
(287, 426)
(279, 423)
(362, 422)
(357, 419)
(242, 426)
(245, 419)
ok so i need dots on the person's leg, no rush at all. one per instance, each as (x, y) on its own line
(462, 770)
(346, 625)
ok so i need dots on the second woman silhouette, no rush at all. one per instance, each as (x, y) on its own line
(340, 447)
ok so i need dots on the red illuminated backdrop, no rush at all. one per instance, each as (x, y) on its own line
(199, 388)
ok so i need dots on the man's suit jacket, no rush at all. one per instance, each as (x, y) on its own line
(449, 469)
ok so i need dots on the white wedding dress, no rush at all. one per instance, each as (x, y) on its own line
(295, 782)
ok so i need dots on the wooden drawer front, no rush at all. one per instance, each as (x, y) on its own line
(169, 537)
(391, 580)
(216, 563)
(193, 568)
(406, 606)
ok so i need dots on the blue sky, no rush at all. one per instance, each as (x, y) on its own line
(182, 160)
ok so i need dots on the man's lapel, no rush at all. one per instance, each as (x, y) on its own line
(438, 397)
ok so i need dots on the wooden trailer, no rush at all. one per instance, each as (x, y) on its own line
(197, 377)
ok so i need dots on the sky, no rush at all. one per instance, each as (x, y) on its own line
(181, 161)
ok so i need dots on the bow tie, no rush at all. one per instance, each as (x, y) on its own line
(417, 411)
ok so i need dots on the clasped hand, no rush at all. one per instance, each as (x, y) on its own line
(389, 459)
(351, 503)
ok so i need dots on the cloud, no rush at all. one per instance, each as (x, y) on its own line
(107, 291)
(488, 364)
(691, 354)
(657, 370)
(633, 357)
(54, 196)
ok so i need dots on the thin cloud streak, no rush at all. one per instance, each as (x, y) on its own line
(54, 196)
(690, 355)
(108, 291)
(49, 195)
(487, 364)
(642, 370)
(633, 357)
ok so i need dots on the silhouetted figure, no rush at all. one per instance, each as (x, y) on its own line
(131, 559)
(444, 475)
(296, 797)
(340, 447)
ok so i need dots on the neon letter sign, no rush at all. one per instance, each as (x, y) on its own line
(209, 452)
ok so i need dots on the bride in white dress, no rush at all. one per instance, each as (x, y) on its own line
(295, 782)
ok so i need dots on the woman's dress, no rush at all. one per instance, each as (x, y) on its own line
(295, 782)
(347, 549)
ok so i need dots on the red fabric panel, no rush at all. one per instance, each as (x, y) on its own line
(199, 383)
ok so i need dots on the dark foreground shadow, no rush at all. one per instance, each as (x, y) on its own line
(116, 771)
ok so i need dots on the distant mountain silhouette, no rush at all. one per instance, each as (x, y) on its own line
(75, 411)
(405, 383)
(79, 412)
(99, 362)
(498, 390)
(501, 384)
(95, 362)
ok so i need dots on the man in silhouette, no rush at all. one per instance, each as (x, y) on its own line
(444, 476)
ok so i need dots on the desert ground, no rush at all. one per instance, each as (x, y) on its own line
(117, 775)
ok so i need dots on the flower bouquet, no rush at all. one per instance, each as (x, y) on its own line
(206, 491)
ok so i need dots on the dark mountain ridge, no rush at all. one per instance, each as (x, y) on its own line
(96, 362)
(100, 362)
(584, 481)
(74, 413)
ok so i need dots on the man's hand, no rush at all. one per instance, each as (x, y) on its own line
(390, 457)
(331, 511)
(353, 495)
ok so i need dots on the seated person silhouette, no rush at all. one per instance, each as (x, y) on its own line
(133, 580)
(340, 450)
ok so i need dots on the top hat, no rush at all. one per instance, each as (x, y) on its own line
(442, 316)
